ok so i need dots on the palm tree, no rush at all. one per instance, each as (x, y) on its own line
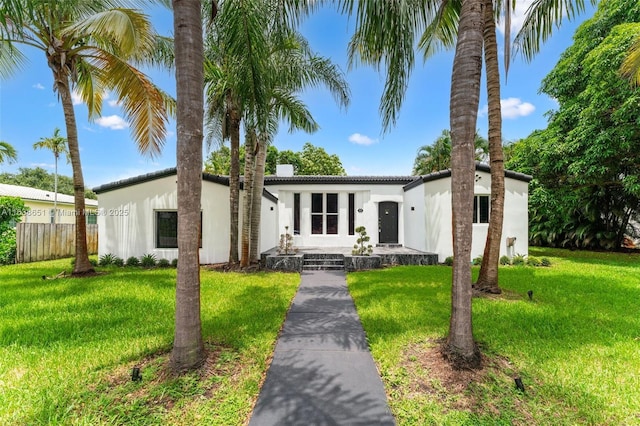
(241, 86)
(234, 74)
(437, 156)
(58, 145)
(434, 157)
(8, 153)
(90, 46)
(293, 66)
(386, 35)
(465, 97)
(188, 348)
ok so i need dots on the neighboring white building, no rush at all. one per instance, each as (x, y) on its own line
(41, 205)
(320, 211)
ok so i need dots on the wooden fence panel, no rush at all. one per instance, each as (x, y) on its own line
(46, 241)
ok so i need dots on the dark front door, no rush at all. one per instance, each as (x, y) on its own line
(388, 222)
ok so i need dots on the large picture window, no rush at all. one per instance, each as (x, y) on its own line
(481, 209)
(324, 213)
(167, 229)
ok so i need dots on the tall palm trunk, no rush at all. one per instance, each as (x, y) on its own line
(465, 93)
(234, 181)
(249, 167)
(488, 278)
(82, 265)
(256, 209)
(188, 349)
(55, 191)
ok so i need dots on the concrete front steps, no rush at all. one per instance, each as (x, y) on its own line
(333, 260)
(322, 262)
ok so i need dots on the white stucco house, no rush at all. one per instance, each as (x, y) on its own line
(139, 215)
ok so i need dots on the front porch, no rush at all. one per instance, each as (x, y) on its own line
(341, 258)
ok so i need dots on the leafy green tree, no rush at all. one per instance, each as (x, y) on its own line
(316, 161)
(630, 68)
(57, 145)
(8, 153)
(11, 211)
(219, 161)
(586, 165)
(90, 47)
(271, 160)
(290, 157)
(39, 178)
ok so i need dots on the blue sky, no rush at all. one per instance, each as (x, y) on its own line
(29, 109)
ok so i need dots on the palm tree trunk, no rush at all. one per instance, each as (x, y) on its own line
(249, 160)
(188, 348)
(55, 192)
(234, 183)
(460, 347)
(488, 278)
(256, 209)
(82, 265)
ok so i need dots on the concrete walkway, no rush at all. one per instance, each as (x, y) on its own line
(322, 372)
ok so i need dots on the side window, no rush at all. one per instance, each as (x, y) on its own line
(481, 209)
(167, 229)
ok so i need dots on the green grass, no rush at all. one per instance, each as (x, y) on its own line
(576, 345)
(67, 345)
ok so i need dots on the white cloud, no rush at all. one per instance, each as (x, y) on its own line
(38, 86)
(113, 122)
(511, 108)
(359, 139)
(514, 108)
(75, 98)
(113, 103)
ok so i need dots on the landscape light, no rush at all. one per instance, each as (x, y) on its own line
(135, 374)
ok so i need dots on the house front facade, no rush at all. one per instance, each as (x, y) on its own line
(138, 216)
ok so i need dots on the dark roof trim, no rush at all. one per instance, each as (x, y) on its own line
(338, 180)
(479, 167)
(222, 180)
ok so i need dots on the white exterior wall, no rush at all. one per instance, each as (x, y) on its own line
(439, 216)
(437, 207)
(41, 211)
(127, 220)
(269, 235)
(415, 220)
(367, 198)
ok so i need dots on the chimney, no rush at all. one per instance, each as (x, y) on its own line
(284, 170)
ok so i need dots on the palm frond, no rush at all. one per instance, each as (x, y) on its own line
(143, 103)
(442, 31)
(11, 59)
(125, 32)
(541, 18)
(385, 35)
(630, 68)
(288, 107)
(8, 153)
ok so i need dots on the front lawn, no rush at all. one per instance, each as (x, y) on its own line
(67, 345)
(575, 346)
